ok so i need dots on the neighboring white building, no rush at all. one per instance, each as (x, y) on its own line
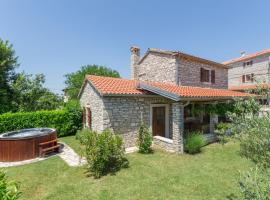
(247, 70)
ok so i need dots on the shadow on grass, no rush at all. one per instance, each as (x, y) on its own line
(232, 196)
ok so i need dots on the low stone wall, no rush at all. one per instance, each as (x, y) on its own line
(210, 138)
(163, 143)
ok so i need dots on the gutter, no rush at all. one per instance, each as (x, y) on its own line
(159, 91)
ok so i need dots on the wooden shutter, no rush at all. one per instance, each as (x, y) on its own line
(252, 77)
(213, 76)
(84, 116)
(243, 78)
(89, 118)
(207, 75)
(202, 77)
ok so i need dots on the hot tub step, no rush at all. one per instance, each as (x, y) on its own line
(49, 142)
(49, 150)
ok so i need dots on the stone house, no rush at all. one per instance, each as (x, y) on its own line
(164, 89)
(248, 70)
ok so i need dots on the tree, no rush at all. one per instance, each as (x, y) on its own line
(74, 80)
(31, 95)
(253, 131)
(8, 63)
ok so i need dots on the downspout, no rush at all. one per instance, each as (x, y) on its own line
(186, 104)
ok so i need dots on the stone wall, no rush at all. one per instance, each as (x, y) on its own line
(91, 98)
(167, 68)
(189, 74)
(178, 127)
(123, 115)
(260, 68)
(158, 67)
(163, 143)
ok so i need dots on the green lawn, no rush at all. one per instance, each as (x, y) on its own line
(209, 175)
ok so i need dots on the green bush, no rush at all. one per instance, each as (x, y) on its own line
(255, 184)
(9, 190)
(144, 139)
(254, 136)
(194, 142)
(104, 152)
(66, 121)
(222, 131)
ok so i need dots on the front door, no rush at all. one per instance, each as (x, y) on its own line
(158, 122)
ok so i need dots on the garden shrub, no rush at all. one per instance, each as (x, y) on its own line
(253, 132)
(223, 132)
(254, 136)
(194, 142)
(104, 152)
(81, 135)
(144, 139)
(255, 184)
(66, 121)
(9, 190)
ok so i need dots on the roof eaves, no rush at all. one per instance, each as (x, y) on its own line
(159, 91)
(156, 51)
(247, 57)
(202, 60)
(82, 88)
(174, 53)
(128, 95)
(86, 80)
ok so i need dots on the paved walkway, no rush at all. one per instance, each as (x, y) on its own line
(71, 157)
(131, 150)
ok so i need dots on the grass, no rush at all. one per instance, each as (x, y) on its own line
(209, 175)
(73, 143)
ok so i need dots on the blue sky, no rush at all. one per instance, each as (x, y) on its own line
(56, 37)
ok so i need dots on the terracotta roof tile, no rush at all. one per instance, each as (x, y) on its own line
(249, 87)
(266, 51)
(117, 86)
(188, 91)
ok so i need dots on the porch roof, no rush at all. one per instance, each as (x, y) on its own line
(121, 87)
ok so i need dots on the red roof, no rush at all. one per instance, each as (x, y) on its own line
(266, 51)
(250, 87)
(108, 85)
(117, 86)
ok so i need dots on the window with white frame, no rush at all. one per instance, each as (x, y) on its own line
(248, 78)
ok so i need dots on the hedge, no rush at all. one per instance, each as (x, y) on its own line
(66, 121)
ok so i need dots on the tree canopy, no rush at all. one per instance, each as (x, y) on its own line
(8, 63)
(31, 95)
(75, 80)
(19, 91)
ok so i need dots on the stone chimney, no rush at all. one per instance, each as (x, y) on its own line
(134, 60)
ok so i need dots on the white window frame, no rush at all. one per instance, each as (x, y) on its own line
(250, 81)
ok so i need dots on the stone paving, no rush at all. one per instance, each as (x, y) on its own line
(71, 157)
(131, 150)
